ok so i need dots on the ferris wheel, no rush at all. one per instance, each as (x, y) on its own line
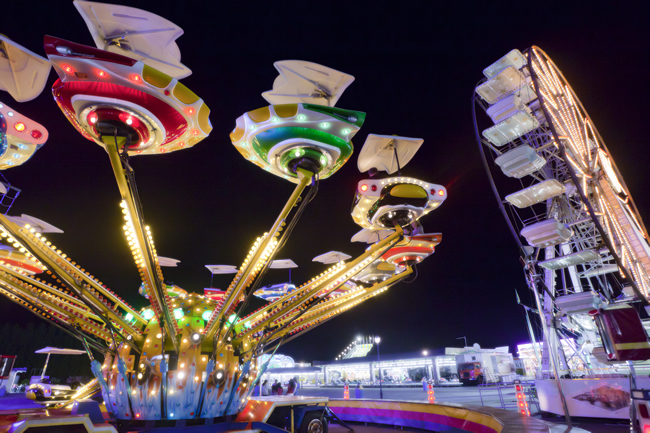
(557, 184)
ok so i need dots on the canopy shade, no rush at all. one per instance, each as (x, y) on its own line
(331, 257)
(57, 351)
(283, 264)
(301, 81)
(135, 33)
(22, 73)
(383, 151)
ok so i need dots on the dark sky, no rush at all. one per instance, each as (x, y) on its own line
(416, 64)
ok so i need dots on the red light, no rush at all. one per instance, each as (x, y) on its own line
(433, 192)
(646, 429)
(190, 111)
(373, 188)
(643, 410)
(136, 78)
(19, 126)
(364, 188)
(68, 69)
(101, 73)
(181, 144)
(195, 132)
(37, 134)
(441, 192)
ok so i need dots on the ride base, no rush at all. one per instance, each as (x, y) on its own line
(260, 412)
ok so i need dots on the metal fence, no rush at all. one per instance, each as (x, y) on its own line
(507, 395)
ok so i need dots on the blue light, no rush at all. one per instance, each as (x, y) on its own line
(17, 155)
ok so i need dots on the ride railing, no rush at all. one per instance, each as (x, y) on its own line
(613, 372)
(505, 392)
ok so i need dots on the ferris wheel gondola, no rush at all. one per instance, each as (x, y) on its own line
(565, 195)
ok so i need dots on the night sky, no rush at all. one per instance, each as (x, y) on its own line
(416, 65)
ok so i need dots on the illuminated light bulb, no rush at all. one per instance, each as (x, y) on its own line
(181, 375)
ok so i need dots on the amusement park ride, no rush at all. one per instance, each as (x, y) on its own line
(584, 246)
(192, 358)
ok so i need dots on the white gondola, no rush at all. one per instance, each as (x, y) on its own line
(23, 73)
(135, 33)
(579, 303)
(513, 58)
(511, 105)
(546, 233)
(577, 258)
(307, 82)
(501, 85)
(512, 128)
(520, 161)
(536, 193)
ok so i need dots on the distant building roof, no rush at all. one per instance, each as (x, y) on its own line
(387, 357)
(291, 370)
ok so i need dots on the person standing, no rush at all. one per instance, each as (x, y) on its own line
(291, 389)
(297, 385)
(280, 390)
(265, 388)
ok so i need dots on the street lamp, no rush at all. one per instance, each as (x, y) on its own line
(381, 391)
(425, 353)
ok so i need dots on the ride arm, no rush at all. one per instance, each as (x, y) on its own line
(311, 319)
(320, 286)
(55, 310)
(257, 259)
(87, 289)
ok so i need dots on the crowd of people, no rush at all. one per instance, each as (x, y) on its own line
(276, 388)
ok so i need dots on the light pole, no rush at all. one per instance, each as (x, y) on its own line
(425, 353)
(381, 391)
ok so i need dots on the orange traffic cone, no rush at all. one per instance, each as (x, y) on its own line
(346, 392)
(432, 397)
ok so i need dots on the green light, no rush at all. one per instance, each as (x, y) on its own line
(147, 314)
(128, 317)
(298, 152)
(323, 160)
(232, 318)
(346, 131)
(247, 324)
(275, 119)
(302, 117)
(206, 315)
(178, 313)
(325, 125)
(252, 127)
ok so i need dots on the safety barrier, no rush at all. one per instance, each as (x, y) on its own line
(507, 394)
(437, 417)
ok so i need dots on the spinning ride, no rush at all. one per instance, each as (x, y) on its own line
(191, 357)
(583, 243)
